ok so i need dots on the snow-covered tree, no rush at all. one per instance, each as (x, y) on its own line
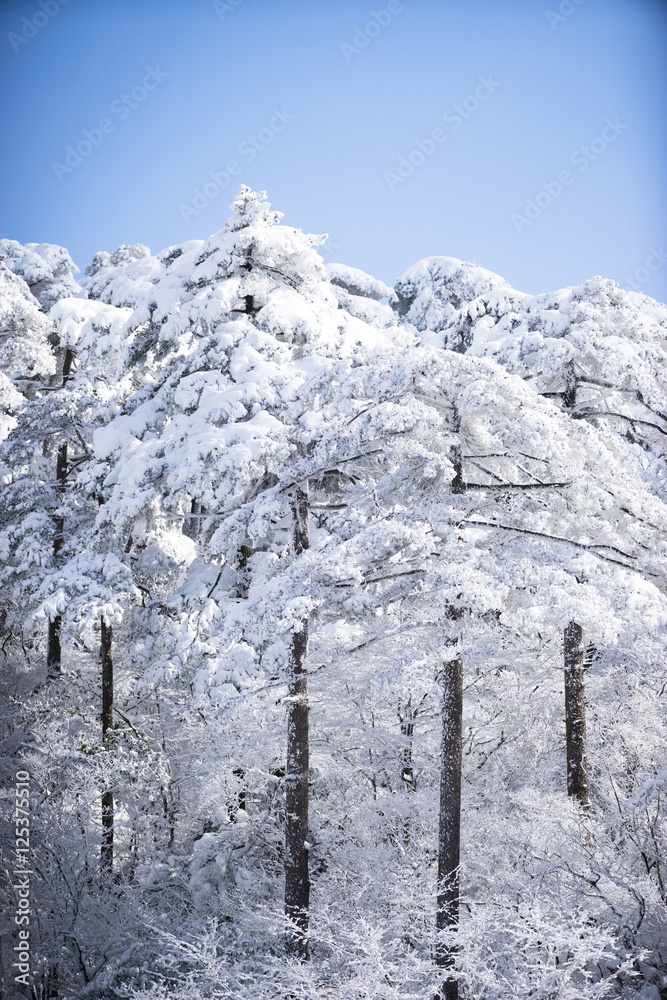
(345, 539)
(48, 270)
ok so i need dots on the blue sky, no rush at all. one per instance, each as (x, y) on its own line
(548, 167)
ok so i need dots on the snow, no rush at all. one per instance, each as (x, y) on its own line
(358, 283)
(482, 468)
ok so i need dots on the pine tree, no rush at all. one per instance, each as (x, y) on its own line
(53, 651)
(449, 832)
(106, 657)
(279, 503)
(297, 878)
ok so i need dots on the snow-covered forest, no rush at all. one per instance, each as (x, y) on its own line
(333, 625)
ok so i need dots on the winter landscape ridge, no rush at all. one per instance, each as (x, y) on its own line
(333, 627)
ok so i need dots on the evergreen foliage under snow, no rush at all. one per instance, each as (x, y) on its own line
(470, 454)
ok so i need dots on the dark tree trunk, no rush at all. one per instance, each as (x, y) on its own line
(191, 525)
(297, 878)
(243, 584)
(406, 717)
(458, 483)
(575, 714)
(53, 649)
(107, 726)
(449, 834)
(67, 365)
(249, 303)
(569, 393)
(53, 652)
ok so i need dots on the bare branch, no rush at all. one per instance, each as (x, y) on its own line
(557, 538)
(514, 486)
(217, 581)
(378, 579)
(621, 416)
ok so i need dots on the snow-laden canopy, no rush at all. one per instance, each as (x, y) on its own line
(229, 447)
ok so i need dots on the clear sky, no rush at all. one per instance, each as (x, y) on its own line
(528, 136)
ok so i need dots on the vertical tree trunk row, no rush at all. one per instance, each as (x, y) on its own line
(107, 726)
(297, 878)
(575, 713)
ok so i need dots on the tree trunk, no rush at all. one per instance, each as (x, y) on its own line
(53, 649)
(243, 584)
(67, 365)
(449, 834)
(191, 524)
(458, 483)
(569, 393)
(297, 879)
(575, 714)
(107, 726)
(406, 718)
(53, 652)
